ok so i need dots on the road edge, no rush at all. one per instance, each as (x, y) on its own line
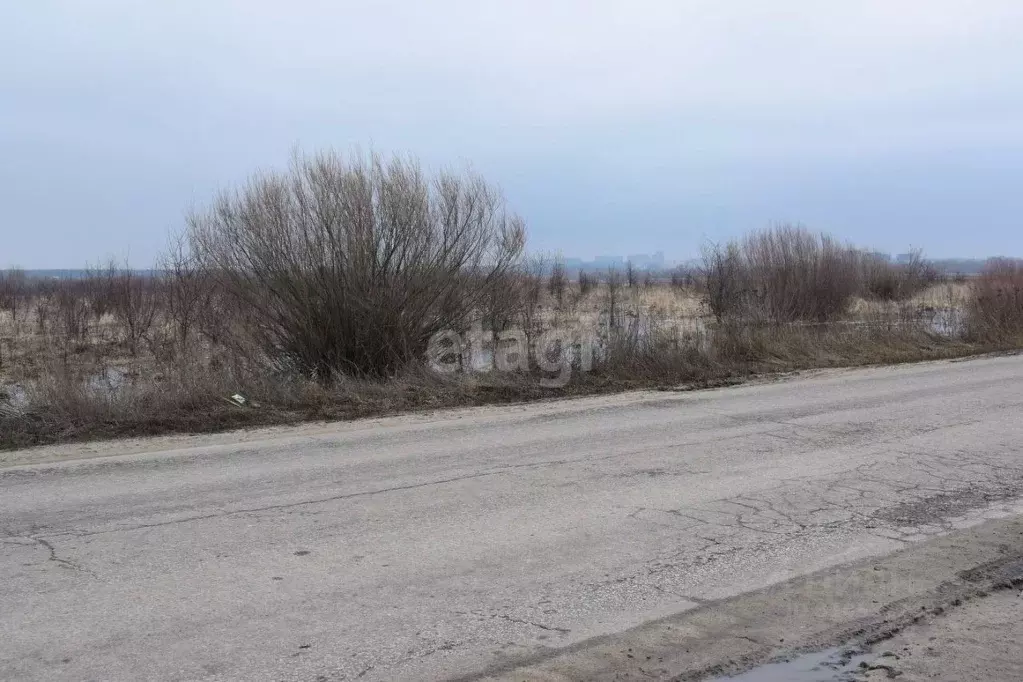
(853, 605)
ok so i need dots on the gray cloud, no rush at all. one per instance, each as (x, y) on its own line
(699, 111)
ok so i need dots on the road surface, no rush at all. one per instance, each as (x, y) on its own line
(448, 545)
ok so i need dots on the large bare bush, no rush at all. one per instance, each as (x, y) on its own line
(887, 281)
(351, 264)
(796, 274)
(781, 275)
(995, 313)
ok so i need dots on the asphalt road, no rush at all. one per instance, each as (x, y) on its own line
(437, 546)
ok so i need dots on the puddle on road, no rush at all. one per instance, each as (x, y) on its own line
(831, 665)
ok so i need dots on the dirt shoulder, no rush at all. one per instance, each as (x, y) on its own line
(979, 640)
(100, 442)
(284, 434)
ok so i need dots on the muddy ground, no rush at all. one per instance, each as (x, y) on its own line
(981, 639)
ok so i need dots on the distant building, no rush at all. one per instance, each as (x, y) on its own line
(608, 261)
(643, 261)
(640, 261)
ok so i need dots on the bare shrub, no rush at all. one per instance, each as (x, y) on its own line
(684, 278)
(881, 279)
(217, 317)
(530, 296)
(14, 290)
(134, 300)
(631, 278)
(502, 306)
(44, 308)
(72, 313)
(188, 292)
(724, 278)
(558, 281)
(995, 313)
(782, 275)
(795, 274)
(352, 264)
(613, 304)
(99, 288)
(919, 274)
(887, 281)
(586, 283)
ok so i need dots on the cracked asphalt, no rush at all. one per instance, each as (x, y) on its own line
(439, 546)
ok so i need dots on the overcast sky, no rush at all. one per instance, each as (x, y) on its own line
(614, 127)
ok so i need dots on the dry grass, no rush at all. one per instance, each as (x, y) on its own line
(995, 312)
(943, 296)
(667, 338)
(118, 354)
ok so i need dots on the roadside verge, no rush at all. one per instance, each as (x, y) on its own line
(853, 606)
